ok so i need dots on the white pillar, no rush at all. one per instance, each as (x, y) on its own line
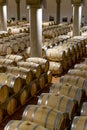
(3, 18)
(77, 9)
(36, 31)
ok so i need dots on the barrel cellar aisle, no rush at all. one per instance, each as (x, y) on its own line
(43, 65)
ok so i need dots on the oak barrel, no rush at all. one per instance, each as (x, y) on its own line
(36, 68)
(75, 80)
(5, 49)
(60, 102)
(5, 62)
(13, 82)
(43, 62)
(84, 109)
(45, 116)
(32, 88)
(77, 72)
(68, 90)
(15, 58)
(56, 68)
(4, 93)
(81, 66)
(23, 125)
(24, 73)
(79, 123)
(55, 55)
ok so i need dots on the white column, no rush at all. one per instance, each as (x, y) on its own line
(36, 31)
(77, 9)
(3, 18)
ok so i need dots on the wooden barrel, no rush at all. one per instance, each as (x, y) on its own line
(2, 69)
(36, 68)
(68, 90)
(26, 53)
(20, 43)
(41, 81)
(6, 62)
(55, 55)
(9, 105)
(79, 123)
(81, 66)
(84, 109)
(48, 77)
(50, 119)
(15, 58)
(24, 73)
(23, 125)
(75, 80)
(61, 103)
(5, 49)
(56, 68)
(4, 93)
(43, 62)
(14, 45)
(13, 82)
(32, 88)
(77, 72)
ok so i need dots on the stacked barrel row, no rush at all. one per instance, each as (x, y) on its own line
(20, 81)
(46, 116)
(14, 43)
(68, 96)
(55, 30)
(80, 122)
(64, 55)
(74, 85)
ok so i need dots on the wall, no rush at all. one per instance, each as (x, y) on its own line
(65, 10)
(11, 9)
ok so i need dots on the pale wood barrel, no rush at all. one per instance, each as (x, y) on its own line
(13, 82)
(51, 118)
(79, 123)
(43, 62)
(12, 105)
(23, 125)
(68, 90)
(20, 43)
(24, 73)
(9, 105)
(4, 93)
(2, 69)
(15, 58)
(77, 72)
(5, 62)
(84, 109)
(55, 55)
(81, 66)
(61, 103)
(32, 88)
(48, 77)
(75, 80)
(41, 81)
(13, 44)
(5, 49)
(22, 96)
(56, 68)
(36, 68)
